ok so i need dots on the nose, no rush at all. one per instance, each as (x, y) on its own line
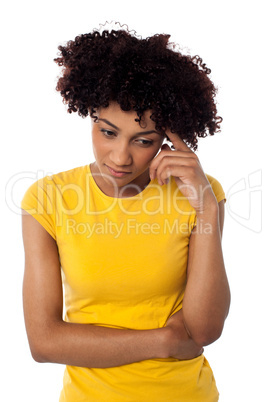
(121, 155)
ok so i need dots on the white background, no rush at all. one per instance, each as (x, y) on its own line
(39, 137)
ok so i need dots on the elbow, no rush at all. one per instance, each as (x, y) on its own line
(205, 332)
(42, 345)
(206, 337)
(39, 352)
(39, 358)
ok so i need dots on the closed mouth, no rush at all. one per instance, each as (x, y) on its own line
(117, 172)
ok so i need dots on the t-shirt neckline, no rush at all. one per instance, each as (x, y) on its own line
(135, 197)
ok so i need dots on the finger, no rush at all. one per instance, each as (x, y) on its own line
(172, 167)
(174, 171)
(153, 165)
(166, 155)
(178, 143)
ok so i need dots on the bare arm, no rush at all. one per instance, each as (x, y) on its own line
(53, 340)
(207, 296)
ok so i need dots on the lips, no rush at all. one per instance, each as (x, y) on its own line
(117, 173)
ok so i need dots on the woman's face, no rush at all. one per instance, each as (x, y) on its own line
(123, 150)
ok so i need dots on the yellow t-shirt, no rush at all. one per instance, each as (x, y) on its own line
(124, 266)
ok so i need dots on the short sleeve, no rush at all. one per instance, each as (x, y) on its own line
(217, 188)
(218, 192)
(39, 201)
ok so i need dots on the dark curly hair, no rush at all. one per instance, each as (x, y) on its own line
(139, 74)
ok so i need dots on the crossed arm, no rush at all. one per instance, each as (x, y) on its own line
(51, 339)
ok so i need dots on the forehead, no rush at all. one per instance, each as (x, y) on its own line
(121, 118)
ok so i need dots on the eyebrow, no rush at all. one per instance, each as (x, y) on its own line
(117, 128)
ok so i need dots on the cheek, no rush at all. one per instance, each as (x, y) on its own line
(156, 149)
(97, 144)
(145, 157)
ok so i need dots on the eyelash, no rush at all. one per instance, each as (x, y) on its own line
(109, 134)
(147, 143)
(106, 132)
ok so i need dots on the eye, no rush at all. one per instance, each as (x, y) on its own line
(107, 133)
(145, 143)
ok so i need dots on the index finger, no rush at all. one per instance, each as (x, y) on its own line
(178, 143)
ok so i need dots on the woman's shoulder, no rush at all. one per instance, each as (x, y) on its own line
(69, 176)
(47, 185)
(216, 187)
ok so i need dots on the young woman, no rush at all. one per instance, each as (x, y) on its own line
(135, 236)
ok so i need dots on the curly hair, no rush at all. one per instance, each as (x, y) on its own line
(139, 74)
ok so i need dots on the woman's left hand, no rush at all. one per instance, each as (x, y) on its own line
(183, 164)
